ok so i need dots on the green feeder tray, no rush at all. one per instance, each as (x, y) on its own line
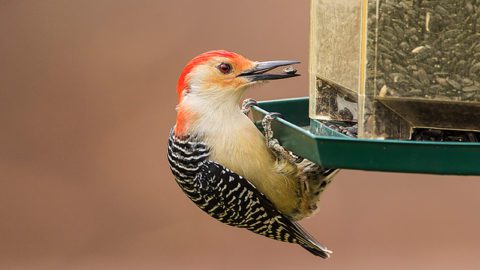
(335, 150)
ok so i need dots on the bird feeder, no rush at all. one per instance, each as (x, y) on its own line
(402, 68)
(406, 72)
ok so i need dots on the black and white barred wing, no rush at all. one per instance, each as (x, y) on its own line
(185, 156)
(233, 200)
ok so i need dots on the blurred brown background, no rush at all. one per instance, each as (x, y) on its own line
(87, 98)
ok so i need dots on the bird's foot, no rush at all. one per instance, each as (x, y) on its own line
(247, 105)
(273, 144)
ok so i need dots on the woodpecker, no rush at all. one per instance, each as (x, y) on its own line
(226, 166)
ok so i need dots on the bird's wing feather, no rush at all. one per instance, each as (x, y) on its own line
(240, 204)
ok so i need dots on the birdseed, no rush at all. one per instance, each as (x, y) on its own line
(425, 49)
(290, 70)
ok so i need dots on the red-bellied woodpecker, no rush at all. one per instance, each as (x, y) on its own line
(224, 163)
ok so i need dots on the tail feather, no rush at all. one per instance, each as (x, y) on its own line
(317, 251)
(309, 243)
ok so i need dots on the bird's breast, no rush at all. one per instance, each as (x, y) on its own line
(243, 150)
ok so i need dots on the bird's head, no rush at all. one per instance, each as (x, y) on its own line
(214, 82)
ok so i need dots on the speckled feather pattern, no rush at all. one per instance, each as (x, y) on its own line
(230, 198)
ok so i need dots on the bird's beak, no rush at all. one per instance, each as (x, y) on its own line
(258, 72)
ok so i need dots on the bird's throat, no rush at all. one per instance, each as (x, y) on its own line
(204, 112)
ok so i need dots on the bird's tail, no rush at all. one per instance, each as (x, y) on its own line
(318, 251)
(309, 243)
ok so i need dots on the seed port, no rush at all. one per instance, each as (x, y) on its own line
(438, 135)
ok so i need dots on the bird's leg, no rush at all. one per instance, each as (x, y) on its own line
(273, 144)
(247, 105)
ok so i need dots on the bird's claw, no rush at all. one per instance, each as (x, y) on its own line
(247, 105)
(267, 124)
(273, 144)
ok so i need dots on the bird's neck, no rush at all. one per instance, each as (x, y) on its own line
(231, 137)
(204, 112)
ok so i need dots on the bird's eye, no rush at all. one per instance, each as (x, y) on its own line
(225, 68)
